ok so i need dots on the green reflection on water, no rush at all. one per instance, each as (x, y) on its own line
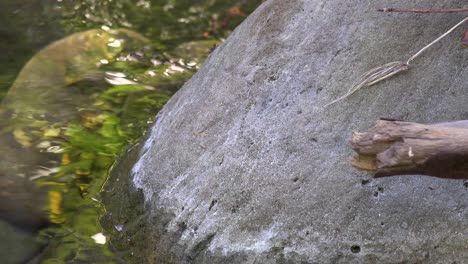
(72, 125)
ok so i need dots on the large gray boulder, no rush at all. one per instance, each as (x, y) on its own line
(245, 165)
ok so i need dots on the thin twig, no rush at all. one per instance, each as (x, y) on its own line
(424, 11)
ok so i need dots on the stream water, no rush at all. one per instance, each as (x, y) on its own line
(80, 81)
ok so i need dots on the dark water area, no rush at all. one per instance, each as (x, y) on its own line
(80, 81)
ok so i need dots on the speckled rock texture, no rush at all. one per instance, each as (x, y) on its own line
(245, 165)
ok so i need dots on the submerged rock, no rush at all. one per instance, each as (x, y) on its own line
(39, 87)
(245, 165)
(40, 98)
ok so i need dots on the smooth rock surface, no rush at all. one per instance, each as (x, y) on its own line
(245, 165)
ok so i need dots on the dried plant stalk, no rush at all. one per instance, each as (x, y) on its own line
(386, 71)
(373, 76)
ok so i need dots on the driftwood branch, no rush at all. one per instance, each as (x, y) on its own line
(402, 148)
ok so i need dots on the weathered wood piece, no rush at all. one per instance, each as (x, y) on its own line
(401, 148)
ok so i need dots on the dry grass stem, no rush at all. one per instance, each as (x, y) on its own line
(386, 71)
(436, 40)
(372, 77)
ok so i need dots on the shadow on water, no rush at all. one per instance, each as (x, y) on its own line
(79, 102)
